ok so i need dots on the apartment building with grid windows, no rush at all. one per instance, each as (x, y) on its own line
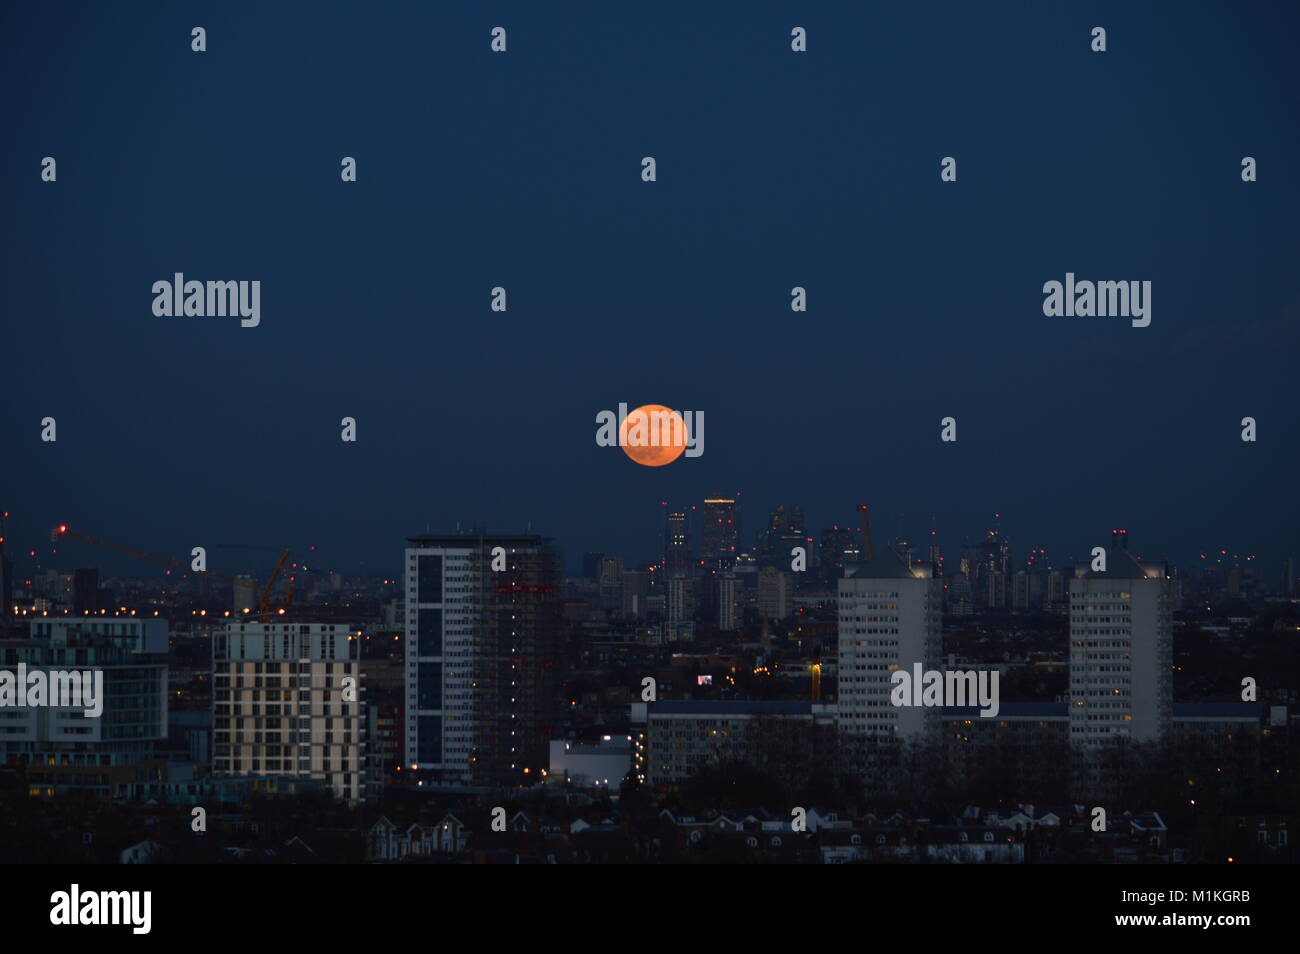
(890, 617)
(1121, 651)
(282, 705)
(482, 657)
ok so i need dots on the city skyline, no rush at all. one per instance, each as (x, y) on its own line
(72, 555)
(817, 170)
(358, 505)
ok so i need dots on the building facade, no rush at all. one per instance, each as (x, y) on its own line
(1121, 652)
(482, 656)
(283, 705)
(890, 617)
(719, 533)
(63, 748)
(671, 739)
(774, 592)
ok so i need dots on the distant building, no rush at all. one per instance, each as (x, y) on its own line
(85, 592)
(385, 718)
(904, 551)
(679, 613)
(245, 592)
(672, 738)
(636, 592)
(611, 584)
(785, 530)
(719, 532)
(728, 602)
(678, 555)
(56, 587)
(837, 545)
(935, 554)
(1058, 591)
(189, 736)
(987, 567)
(600, 764)
(1029, 589)
(1210, 726)
(773, 593)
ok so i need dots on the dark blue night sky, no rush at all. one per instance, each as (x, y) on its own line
(775, 169)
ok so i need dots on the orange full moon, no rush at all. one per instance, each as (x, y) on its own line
(660, 434)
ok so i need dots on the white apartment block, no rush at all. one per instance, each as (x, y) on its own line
(890, 617)
(481, 645)
(1121, 652)
(281, 706)
(443, 583)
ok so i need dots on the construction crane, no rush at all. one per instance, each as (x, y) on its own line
(264, 596)
(264, 607)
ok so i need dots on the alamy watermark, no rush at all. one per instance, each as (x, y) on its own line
(75, 907)
(652, 434)
(956, 687)
(1085, 299)
(194, 299)
(53, 688)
